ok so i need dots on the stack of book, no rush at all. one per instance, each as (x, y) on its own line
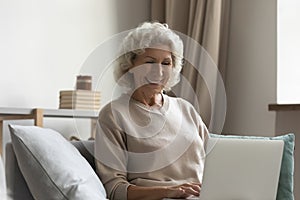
(79, 99)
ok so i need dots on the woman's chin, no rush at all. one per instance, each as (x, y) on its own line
(154, 87)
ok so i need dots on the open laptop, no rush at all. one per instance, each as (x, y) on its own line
(241, 169)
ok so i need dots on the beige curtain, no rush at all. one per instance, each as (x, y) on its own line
(206, 21)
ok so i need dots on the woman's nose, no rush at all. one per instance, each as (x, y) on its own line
(157, 69)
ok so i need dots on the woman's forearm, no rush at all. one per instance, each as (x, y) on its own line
(146, 193)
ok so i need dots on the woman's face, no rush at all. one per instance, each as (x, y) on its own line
(152, 69)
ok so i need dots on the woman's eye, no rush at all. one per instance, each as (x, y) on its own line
(150, 62)
(166, 63)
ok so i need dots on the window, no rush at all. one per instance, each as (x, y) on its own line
(288, 51)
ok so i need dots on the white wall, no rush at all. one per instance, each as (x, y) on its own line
(251, 68)
(44, 43)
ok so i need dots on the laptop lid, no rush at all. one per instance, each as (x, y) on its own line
(241, 169)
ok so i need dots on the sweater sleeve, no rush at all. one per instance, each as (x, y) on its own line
(111, 155)
(195, 115)
(203, 132)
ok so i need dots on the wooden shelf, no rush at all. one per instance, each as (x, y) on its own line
(284, 107)
(38, 114)
(50, 112)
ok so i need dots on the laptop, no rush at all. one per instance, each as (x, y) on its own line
(241, 169)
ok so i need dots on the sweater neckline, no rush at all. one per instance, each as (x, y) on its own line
(153, 109)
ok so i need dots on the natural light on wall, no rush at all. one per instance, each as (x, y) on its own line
(288, 51)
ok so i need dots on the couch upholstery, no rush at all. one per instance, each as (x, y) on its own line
(17, 188)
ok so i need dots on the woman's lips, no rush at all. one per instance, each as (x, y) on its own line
(156, 82)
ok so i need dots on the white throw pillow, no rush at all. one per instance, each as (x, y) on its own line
(52, 167)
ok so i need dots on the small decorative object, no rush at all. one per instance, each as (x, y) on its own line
(84, 82)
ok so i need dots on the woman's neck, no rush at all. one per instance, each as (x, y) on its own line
(148, 99)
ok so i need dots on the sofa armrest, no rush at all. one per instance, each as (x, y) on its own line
(16, 186)
(2, 180)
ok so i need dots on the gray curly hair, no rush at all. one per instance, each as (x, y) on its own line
(148, 35)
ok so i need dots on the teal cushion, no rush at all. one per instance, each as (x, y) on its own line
(286, 179)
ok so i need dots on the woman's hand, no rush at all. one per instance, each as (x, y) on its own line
(184, 190)
(159, 192)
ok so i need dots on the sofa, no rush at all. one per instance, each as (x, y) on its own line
(30, 174)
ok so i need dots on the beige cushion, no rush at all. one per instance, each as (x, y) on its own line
(52, 167)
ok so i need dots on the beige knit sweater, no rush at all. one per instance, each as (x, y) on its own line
(148, 146)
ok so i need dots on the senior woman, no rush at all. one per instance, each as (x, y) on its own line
(150, 145)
